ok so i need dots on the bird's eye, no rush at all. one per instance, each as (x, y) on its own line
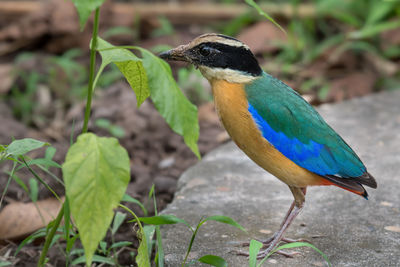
(205, 50)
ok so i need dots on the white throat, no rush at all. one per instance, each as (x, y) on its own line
(228, 75)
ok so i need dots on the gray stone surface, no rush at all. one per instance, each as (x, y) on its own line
(352, 231)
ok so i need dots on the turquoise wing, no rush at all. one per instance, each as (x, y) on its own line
(296, 129)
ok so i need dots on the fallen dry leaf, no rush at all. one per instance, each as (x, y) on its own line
(390, 38)
(262, 37)
(207, 113)
(354, 84)
(265, 231)
(6, 78)
(20, 219)
(386, 204)
(382, 65)
(393, 228)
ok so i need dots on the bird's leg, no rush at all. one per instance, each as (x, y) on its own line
(269, 240)
(294, 210)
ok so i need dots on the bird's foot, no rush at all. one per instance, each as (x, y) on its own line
(264, 253)
(267, 244)
(268, 241)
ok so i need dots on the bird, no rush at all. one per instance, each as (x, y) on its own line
(273, 125)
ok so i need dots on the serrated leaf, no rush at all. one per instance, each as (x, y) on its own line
(213, 260)
(225, 219)
(84, 8)
(130, 66)
(23, 146)
(178, 112)
(254, 248)
(96, 173)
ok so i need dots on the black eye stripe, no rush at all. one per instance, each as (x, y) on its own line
(220, 55)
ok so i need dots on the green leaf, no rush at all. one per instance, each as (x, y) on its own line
(118, 220)
(103, 247)
(160, 248)
(96, 173)
(128, 198)
(96, 258)
(84, 8)
(44, 162)
(163, 219)
(103, 123)
(39, 233)
(254, 248)
(225, 219)
(213, 261)
(178, 112)
(23, 146)
(34, 189)
(120, 244)
(71, 242)
(130, 66)
(379, 10)
(142, 258)
(262, 13)
(50, 152)
(149, 231)
(5, 263)
(151, 193)
(20, 182)
(117, 131)
(370, 31)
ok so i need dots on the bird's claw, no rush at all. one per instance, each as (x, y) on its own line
(267, 242)
(263, 254)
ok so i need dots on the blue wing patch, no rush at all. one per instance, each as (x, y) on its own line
(318, 158)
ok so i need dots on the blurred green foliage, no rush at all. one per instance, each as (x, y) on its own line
(61, 77)
(331, 29)
(335, 27)
(191, 82)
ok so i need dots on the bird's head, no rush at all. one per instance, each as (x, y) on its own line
(218, 57)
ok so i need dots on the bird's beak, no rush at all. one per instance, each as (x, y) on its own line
(177, 54)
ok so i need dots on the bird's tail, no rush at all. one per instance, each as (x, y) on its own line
(354, 184)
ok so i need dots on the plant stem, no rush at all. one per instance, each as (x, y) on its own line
(93, 47)
(50, 236)
(40, 179)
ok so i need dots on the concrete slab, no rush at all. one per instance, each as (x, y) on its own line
(351, 231)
